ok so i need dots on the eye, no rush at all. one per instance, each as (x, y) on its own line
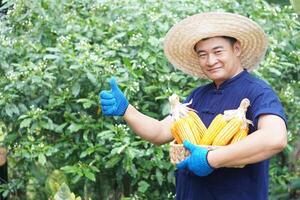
(202, 55)
(218, 52)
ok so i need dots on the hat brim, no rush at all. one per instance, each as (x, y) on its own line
(180, 40)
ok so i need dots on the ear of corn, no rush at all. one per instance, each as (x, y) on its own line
(180, 132)
(187, 125)
(188, 128)
(175, 133)
(194, 131)
(185, 130)
(225, 135)
(214, 128)
(200, 127)
(242, 133)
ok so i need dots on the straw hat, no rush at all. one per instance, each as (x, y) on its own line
(180, 40)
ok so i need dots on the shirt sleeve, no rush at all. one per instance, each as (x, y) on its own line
(267, 102)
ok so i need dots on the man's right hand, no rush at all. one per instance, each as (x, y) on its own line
(197, 162)
(113, 102)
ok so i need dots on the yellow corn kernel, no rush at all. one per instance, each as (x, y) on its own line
(242, 133)
(225, 135)
(214, 128)
(199, 125)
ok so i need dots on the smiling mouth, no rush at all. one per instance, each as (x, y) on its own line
(214, 69)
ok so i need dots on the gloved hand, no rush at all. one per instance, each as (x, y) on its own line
(113, 102)
(197, 161)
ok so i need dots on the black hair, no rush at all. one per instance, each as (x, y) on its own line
(231, 40)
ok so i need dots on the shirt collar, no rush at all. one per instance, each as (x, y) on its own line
(232, 80)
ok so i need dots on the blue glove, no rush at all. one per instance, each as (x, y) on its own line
(113, 102)
(197, 161)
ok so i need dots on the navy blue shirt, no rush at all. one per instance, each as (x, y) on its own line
(250, 182)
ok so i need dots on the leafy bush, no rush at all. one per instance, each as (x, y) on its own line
(56, 55)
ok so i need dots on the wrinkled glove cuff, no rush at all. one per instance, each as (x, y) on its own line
(207, 160)
(206, 169)
(122, 107)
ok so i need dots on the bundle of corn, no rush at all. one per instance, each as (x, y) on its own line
(187, 125)
(225, 129)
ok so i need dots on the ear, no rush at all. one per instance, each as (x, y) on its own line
(237, 49)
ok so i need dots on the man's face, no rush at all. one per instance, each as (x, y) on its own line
(218, 58)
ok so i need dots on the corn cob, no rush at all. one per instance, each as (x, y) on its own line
(225, 135)
(175, 134)
(242, 133)
(185, 130)
(187, 125)
(201, 128)
(180, 134)
(237, 120)
(194, 130)
(214, 128)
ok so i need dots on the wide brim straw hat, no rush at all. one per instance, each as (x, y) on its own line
(181, 39)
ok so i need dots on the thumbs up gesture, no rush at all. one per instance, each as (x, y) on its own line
(113, 102)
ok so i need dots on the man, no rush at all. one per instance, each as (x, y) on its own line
(222, 47)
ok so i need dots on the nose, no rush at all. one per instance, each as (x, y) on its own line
(211, 60)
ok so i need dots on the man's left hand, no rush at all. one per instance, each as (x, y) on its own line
(197, 161)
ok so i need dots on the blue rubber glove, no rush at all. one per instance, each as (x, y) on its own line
(113, 102)
(197, 161)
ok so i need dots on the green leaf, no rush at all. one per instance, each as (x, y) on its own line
(6, 5)
(25, 123)
(159, 176)
(127, 63)
(89, 175)
(59, 129)
(11, 109)
(55, 180)
(143, 186)
(76, 89)
(112, 161)
(83, 154)
(166, 108)
(74, 127)
(87, 103)
(295, 185)
(75, 67)
(296, 5)
(50, 57)
(51, 49)
(42, 159)
(275, 71)
(153, 41)
(145, 54)
(63, 193)
(70, 169)
(92, 78)
(47, 124)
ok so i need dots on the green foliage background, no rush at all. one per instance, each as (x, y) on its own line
(56, 55)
